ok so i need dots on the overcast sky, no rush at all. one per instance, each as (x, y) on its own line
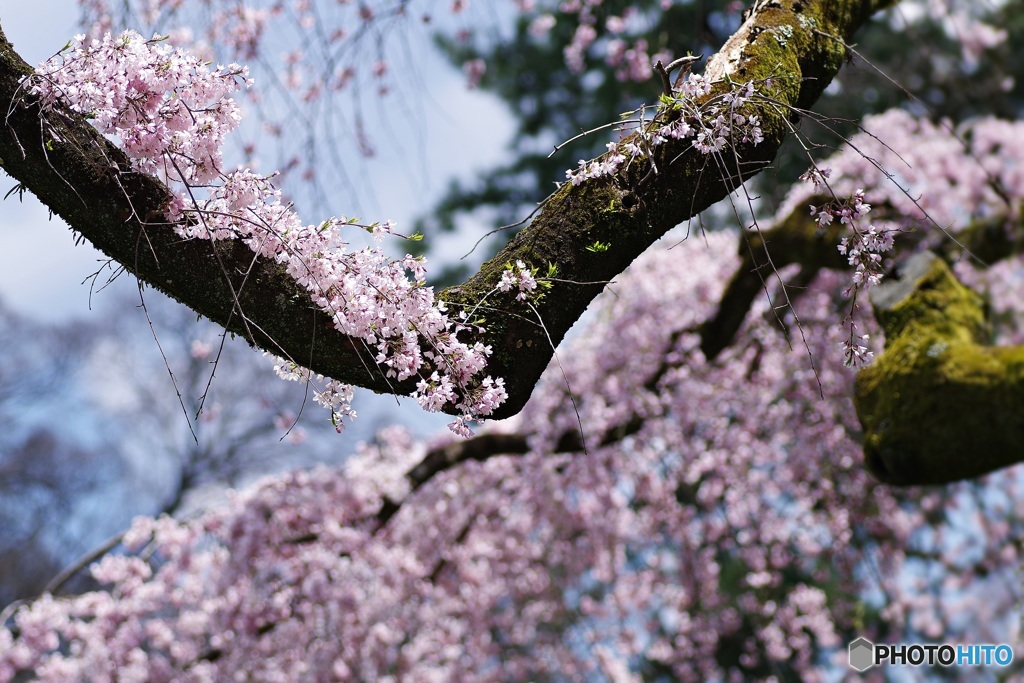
(42, 271)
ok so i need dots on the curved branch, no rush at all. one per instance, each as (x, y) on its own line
(89, 183)
(69, 572)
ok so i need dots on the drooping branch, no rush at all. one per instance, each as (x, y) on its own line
(797, 239)
(85, 180)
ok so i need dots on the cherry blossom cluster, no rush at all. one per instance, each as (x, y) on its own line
(168, 109)
(519, 277)
(171, 114)
(863, 248)
(329, 393)
(725, 124)
(713, 125)
(606, 165)
(864, 251)
(856, 352)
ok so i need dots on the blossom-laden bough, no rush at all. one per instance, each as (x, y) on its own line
(171, 113)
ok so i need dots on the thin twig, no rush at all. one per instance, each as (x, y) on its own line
(57, 582)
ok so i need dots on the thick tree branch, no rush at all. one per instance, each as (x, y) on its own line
(88, 183)
(939, 404)
(631, 215)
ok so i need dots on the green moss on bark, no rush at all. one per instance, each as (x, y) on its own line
(938, 405)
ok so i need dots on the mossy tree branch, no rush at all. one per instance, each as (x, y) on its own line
(85, 180)
(939, 404)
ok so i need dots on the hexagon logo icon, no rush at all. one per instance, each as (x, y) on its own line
(862, 654)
